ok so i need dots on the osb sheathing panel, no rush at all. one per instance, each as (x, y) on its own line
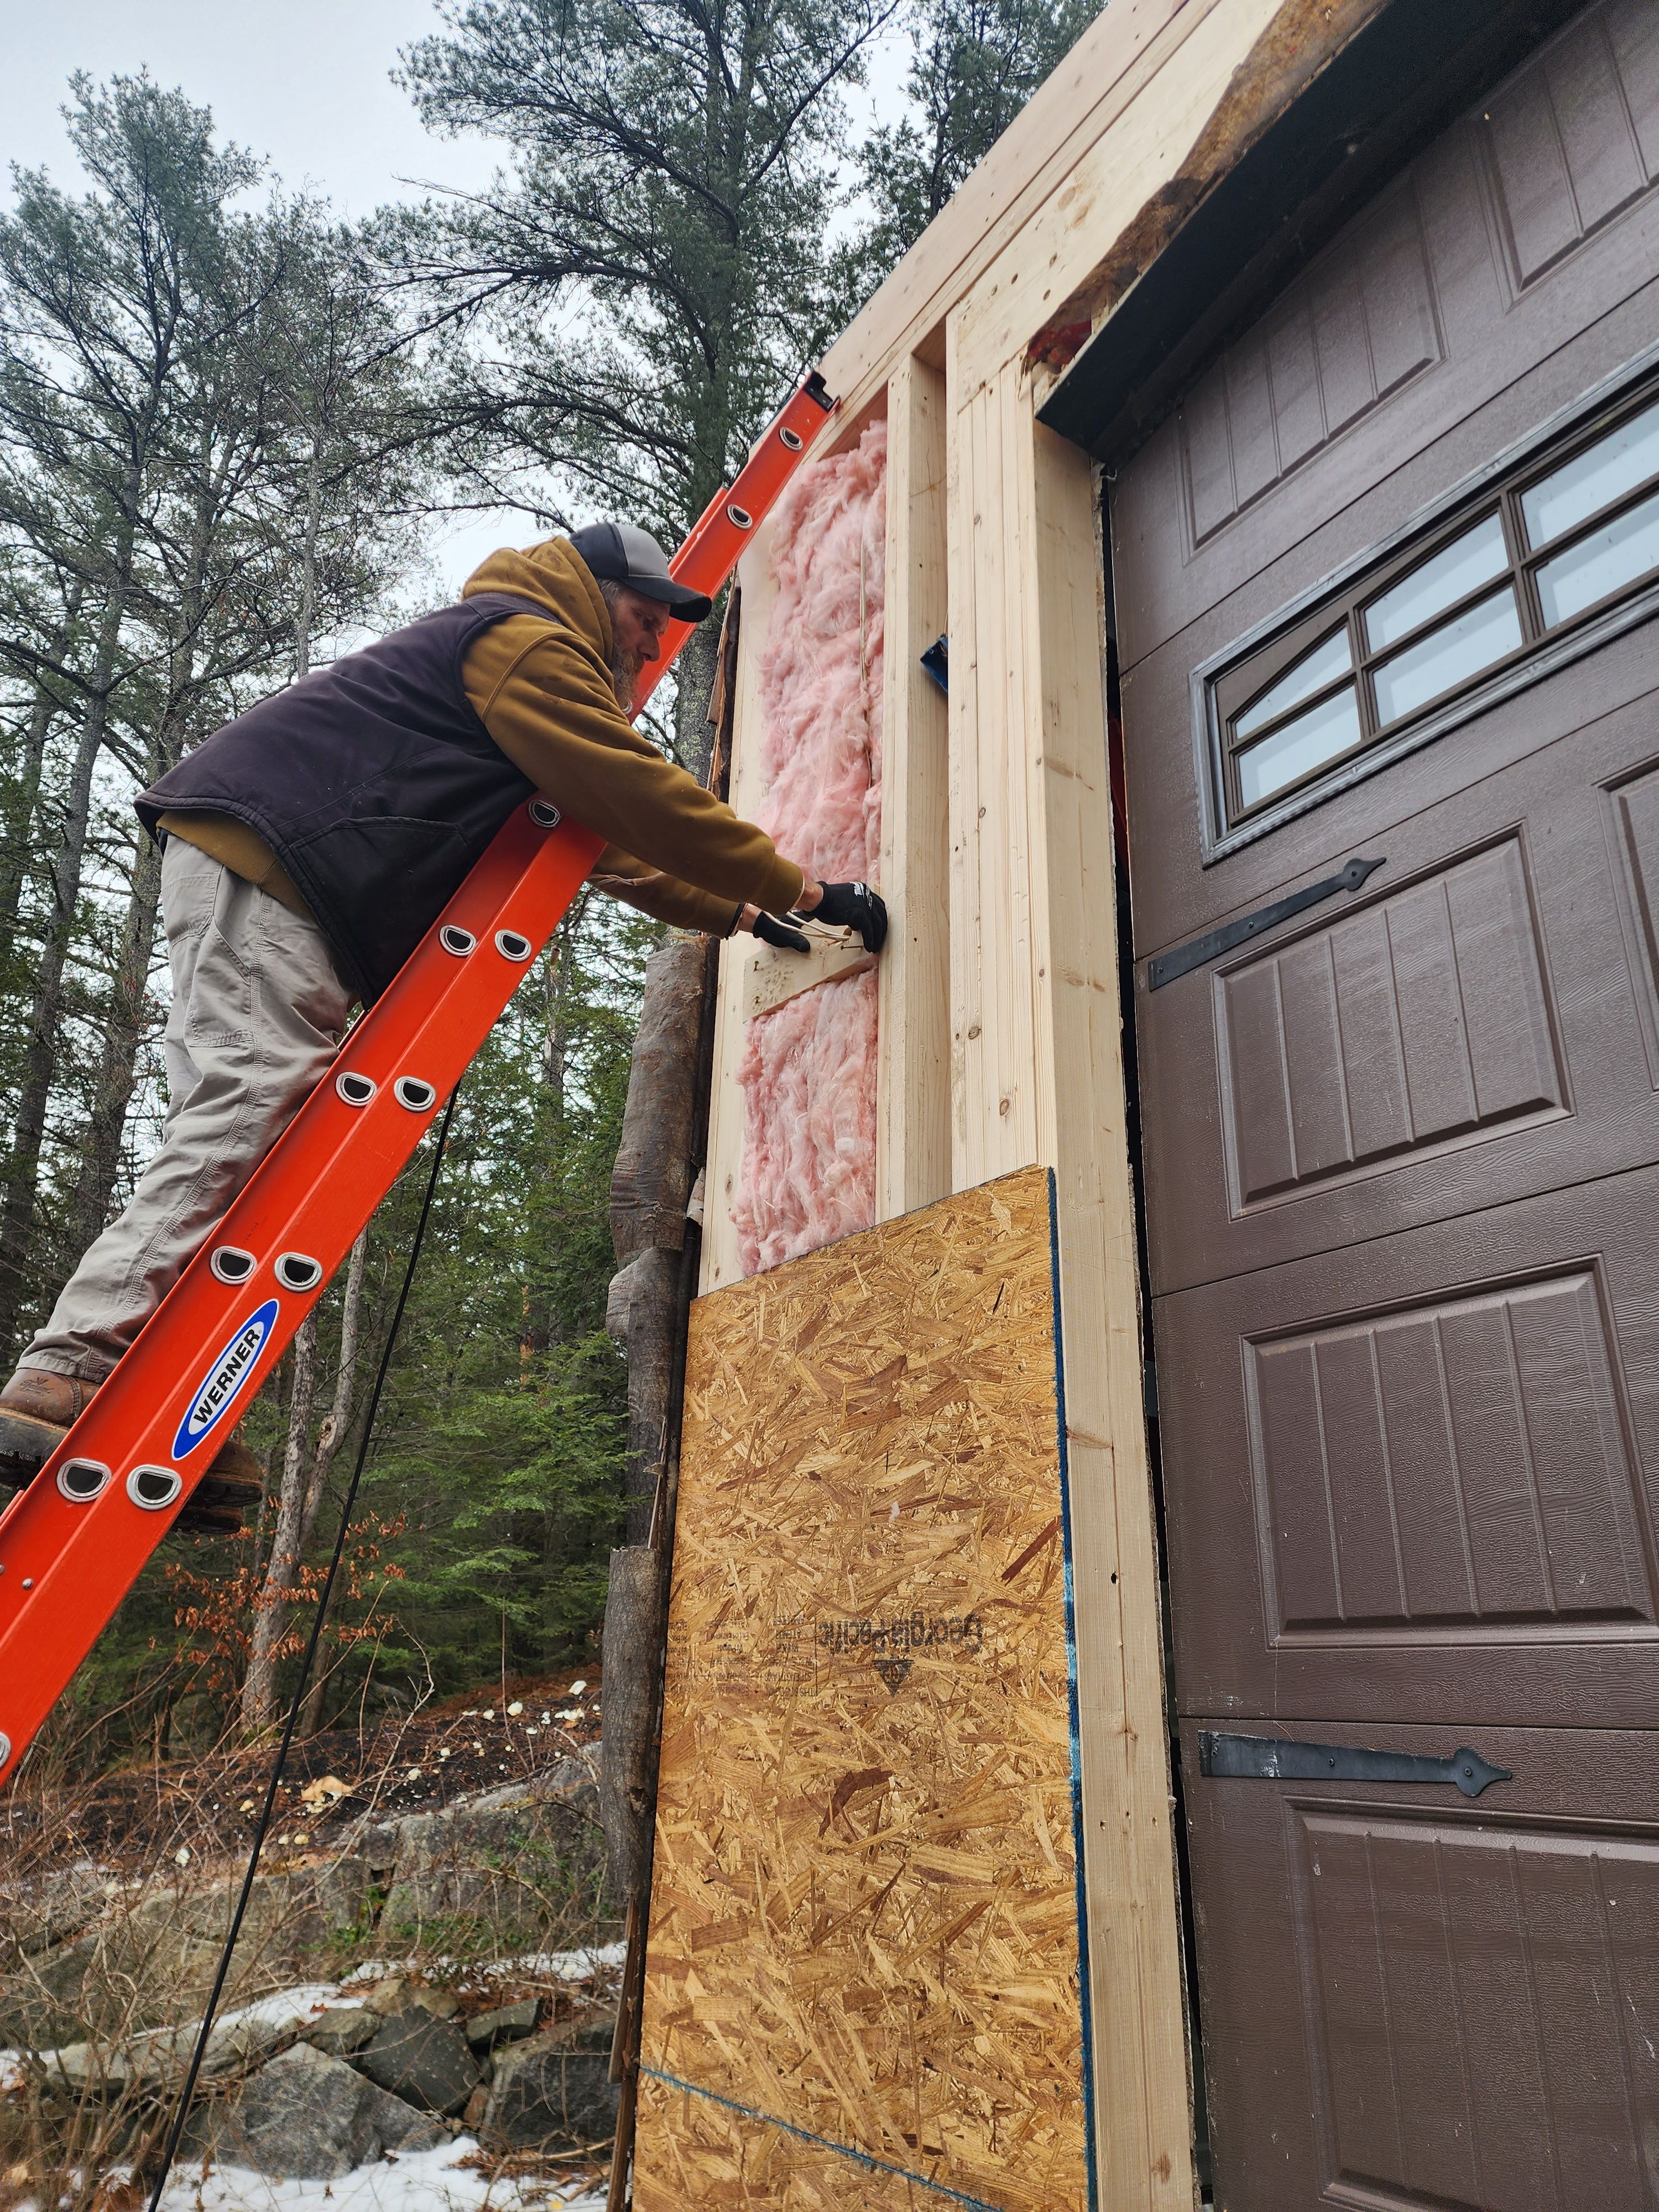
(865, 1920)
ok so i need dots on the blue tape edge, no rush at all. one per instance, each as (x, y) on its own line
(1085, 1994)
(824, 2142)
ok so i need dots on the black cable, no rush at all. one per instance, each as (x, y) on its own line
(264, 1822)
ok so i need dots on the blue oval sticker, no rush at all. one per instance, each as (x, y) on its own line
(221, 1385)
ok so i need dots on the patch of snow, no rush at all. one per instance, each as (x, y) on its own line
(286, 2008)
(425, 2181)
(550, 1965)
(568, 1965)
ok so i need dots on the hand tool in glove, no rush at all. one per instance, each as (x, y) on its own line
(852, 906)
(775, 932)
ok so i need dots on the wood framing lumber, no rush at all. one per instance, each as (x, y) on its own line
(1036, 1032)
(862, 1981)
(1123, 50)
(770, 977)
(722, 1260)
(913, 1148)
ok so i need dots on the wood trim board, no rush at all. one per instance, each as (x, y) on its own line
(912, 1134)
(863, 1981)
(1037, 1046)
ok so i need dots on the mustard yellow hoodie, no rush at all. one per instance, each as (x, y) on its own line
(544, 694)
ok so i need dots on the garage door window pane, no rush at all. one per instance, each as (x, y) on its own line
(1320, 735)
(1605, 561)
(1595, 479)
(1329, 659)
(1555, 548)
(1457, 570)
(1447, 657)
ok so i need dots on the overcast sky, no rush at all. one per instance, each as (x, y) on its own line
(304, 83)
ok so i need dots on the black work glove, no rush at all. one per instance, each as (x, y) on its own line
(854, 906)
(775, 932)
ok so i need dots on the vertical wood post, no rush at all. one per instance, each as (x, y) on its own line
(912, 1133)
(1038, 1068)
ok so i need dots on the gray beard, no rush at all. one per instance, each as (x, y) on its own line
(624, 677)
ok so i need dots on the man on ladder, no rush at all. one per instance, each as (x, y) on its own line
(310, 844)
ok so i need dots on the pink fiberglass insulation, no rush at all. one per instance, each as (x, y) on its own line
(820, 668)
(809, 1121)
(808, 1070)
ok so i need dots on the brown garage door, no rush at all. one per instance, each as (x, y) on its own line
(1386, 592)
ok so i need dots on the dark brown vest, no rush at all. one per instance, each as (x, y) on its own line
(373, 781)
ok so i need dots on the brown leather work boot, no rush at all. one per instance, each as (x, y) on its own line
(41, 1394)
(37, 1406)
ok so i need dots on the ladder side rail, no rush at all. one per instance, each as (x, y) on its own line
(67, 1560)
(66, 1563)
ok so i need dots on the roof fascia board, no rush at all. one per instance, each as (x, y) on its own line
(1126, 46)
(1271, 182)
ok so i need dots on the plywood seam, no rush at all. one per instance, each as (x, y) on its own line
(864, 2158)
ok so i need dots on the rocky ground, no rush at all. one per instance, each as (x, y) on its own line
(408, 1764)
(421, 2007)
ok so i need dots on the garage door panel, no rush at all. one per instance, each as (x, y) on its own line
(1632, 808)
(1461, 1460)
(1464, 1998)
(1569, 141)
(1339, 345)
(1176, 898)
(1473, 268)
(1422, 1018)
(1400, 1156)
(1438, 1454)
(1481, 1021)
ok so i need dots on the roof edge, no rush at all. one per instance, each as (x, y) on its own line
(1234, 236)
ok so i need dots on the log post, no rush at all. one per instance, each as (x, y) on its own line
(655, 1230)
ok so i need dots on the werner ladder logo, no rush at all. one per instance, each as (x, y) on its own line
(224, 1379)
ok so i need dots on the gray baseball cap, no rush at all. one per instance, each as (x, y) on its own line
(632, 557)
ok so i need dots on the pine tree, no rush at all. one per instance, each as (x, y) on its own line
(976, 65)
(642, 288)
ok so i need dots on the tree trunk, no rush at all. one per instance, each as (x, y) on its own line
(46, 1013)
(633, 1625)
(652, 1178)
(665, 1137)
(694, 675)
(101, 1158)
(15, 860)
(20, 814)
(305, 1480)
(278, 1592)
(665, 1143)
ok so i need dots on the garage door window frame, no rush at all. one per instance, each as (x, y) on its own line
(1230, 683)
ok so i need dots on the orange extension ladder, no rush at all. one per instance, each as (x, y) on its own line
(73, 1542)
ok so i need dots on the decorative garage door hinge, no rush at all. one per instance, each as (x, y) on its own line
(1203, 950)
(1271, 1759)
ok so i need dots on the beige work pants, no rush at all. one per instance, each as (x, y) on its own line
(258, 1012)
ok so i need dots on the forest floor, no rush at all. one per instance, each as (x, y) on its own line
(132, 1816)
(143, 1825)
